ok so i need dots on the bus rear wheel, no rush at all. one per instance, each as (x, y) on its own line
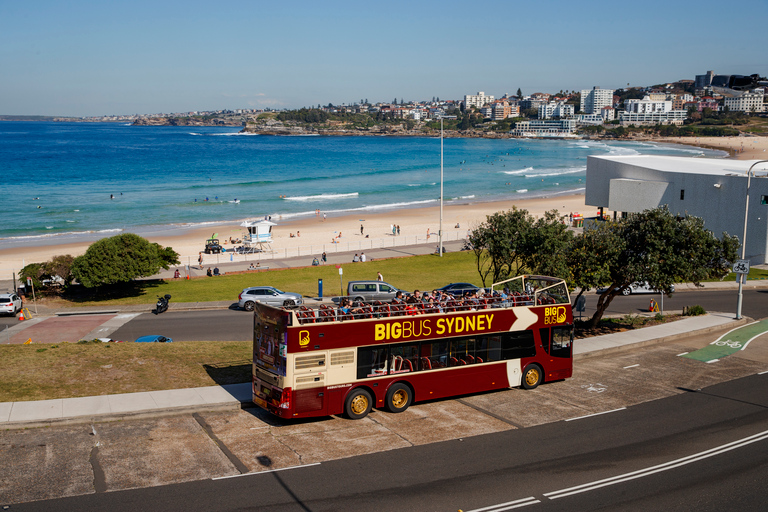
(532, 376)
(399, 398)
(358, 404)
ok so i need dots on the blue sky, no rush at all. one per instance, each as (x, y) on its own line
(83, 58)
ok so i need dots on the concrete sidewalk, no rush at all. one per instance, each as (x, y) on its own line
(235, 396)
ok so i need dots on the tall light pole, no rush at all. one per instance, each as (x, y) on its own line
(440, 229)
(743, 277)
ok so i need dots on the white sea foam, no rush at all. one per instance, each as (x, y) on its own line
(366, 208)
(321, 197)
(467, 197)
(522, 190)
(62, 234)
(568, 170)
(520, 171)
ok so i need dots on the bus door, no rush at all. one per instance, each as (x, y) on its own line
(557, 342)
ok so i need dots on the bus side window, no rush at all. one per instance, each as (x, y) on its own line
(404, 358)
(489, 348)
(544, 333)
(518, 344)
(371, 362)
(435, 354)
(562, 340)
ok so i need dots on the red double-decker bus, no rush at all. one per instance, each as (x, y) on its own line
(320, 361)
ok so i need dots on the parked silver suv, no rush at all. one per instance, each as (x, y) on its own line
(267, 295)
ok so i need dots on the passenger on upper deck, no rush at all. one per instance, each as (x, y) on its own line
(398, 298)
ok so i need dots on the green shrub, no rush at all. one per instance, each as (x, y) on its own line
(694, 311)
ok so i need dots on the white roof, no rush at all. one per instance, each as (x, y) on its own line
(712, 166)
(261, 222)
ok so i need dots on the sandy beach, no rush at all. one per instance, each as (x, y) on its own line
(313, 235)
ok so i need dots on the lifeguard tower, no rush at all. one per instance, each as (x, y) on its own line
(259, 237)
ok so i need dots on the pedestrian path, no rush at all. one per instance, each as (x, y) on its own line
(127, 405)
(730, 342)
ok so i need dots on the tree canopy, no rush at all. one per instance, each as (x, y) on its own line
(120, 259)
(514, 242)
(653, 246)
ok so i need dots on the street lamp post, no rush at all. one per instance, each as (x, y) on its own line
(743, 277)
(440, 229)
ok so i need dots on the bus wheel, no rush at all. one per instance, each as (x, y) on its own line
(532, 376)
(399, 397)
(358, 404)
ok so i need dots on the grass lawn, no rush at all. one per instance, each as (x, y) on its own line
(35, 372)
(408, 273)
(754, 273)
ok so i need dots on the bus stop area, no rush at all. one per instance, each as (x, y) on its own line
(114, 442)
(122, 406)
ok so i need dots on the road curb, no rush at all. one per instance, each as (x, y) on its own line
(146, 414)
(672, 337)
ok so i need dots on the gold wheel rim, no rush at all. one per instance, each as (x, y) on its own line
(532, 376)
(359, 404)
(399, 398)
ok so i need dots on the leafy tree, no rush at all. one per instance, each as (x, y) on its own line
(519, 93)
(58, 266)
(32, 271)
(653, 246)
(465, 122)
(120, 259)
(513, 242)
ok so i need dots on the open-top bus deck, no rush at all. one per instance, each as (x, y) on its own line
(318, 361)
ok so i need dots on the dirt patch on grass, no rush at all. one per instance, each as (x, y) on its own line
(625, 323)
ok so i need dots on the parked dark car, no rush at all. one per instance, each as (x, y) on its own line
(460, 289)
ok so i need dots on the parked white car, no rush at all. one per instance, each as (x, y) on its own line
(10, 303)
(638, 287)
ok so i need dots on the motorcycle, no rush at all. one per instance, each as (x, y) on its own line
(162, 304)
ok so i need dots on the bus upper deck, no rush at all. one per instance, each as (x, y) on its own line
(522, 290)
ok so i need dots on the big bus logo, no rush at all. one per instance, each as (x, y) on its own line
(303, 338)
(555, 315)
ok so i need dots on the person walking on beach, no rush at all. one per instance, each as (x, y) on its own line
(398, 229)
(361, 229)
(200, 260)
(427, 234)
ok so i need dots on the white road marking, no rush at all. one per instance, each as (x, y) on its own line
(762, 436)
(712, 361)
(634, 365)
(678, 355)
(596, 414)
(508, 505)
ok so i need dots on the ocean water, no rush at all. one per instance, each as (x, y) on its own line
(68, 181)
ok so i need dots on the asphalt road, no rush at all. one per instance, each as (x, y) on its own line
(234, 324)
(661, 455)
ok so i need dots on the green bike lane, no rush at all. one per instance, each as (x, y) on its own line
(730, 342)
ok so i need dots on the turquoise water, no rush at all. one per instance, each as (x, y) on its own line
(67, 181)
